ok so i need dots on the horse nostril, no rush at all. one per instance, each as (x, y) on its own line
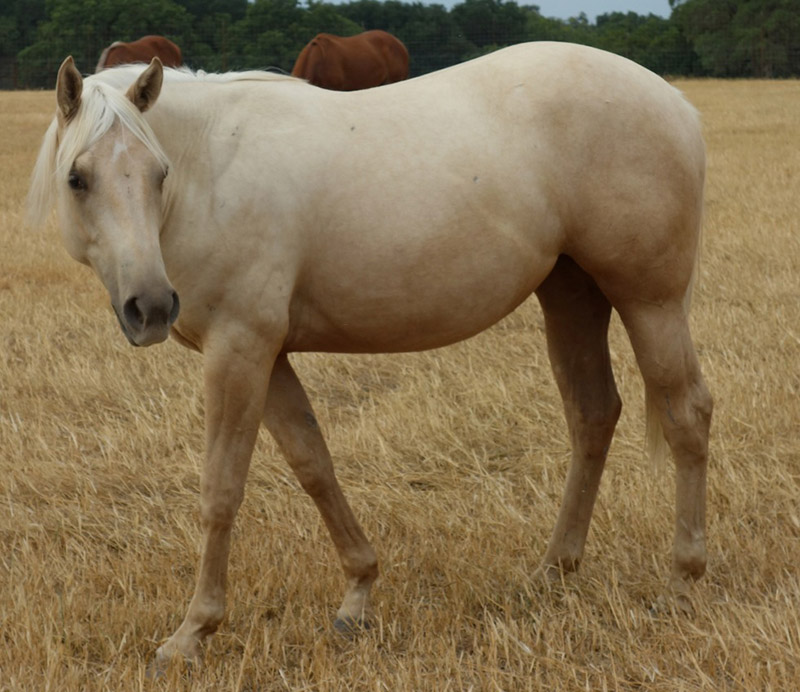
(133, 314)
(176, 308)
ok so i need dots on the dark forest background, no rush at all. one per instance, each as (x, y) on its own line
(718, 38)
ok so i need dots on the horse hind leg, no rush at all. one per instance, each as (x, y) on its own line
(576, 321)
(666, 356)
(290, 420)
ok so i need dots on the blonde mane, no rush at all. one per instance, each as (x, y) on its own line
(100, 107)
(121, 76)
(103, 102)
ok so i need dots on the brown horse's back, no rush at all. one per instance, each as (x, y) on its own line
(365, 60)
(394, 53)
(143, 50)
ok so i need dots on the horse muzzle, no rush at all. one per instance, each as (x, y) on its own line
(146, 317)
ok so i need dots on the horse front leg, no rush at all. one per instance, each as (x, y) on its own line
(236, 383)
(289, 417)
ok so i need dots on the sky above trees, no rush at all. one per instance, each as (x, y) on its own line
(564, 9)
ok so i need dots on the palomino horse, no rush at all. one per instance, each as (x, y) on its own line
(386, 220)
(143, 50)
(365, 60)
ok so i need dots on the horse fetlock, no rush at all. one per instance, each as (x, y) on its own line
(690, 564)
(361, 568)
(553, 569)
(558, 561)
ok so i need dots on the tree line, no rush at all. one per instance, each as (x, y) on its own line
(719, 38)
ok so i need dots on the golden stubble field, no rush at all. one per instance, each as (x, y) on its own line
(454, 461)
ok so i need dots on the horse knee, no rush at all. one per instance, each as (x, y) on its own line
(220, 511)
(209, 613)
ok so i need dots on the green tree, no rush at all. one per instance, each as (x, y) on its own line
(650, 40)
(491, 22)
(539, 28)
(18, 20)
(756, 38)
(428, 31)
(273, 32)
(209, 45)
(767, 38)
(82, 29)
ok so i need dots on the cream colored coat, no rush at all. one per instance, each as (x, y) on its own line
(399, 218)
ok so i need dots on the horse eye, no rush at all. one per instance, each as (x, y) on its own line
(76, 181)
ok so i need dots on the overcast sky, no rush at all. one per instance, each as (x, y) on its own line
(563, 9)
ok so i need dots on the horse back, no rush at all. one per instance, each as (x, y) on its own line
(142, 50)
(393, 54)
(349, 63)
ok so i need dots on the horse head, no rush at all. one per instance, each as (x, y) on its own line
(109, 174)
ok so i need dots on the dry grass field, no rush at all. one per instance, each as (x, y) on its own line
(454, 461)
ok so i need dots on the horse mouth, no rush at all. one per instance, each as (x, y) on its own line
(124, 327)
(145, 323)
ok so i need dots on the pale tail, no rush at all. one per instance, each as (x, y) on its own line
(656, 445)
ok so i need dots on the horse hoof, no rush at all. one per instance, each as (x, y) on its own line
(549, 575)
(159, 666)
(157, 669)
(673, 604)
(350, 627)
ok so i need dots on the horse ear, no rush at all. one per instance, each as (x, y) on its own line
(145, 90)
(69, 86)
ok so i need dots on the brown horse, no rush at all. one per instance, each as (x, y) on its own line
(365, 60)
(143, 50)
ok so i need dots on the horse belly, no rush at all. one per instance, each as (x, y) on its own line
(389, 296)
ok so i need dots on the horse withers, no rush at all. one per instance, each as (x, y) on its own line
(393, 219)
(141, 50)
(347, 63)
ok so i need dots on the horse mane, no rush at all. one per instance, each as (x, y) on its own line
(122, 76)
(102, 102)
(100, 107)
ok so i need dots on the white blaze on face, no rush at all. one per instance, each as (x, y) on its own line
(120, 147)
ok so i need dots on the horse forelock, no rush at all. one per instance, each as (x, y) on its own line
(100, 107)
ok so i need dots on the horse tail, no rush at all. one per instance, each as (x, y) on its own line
(656, 445)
